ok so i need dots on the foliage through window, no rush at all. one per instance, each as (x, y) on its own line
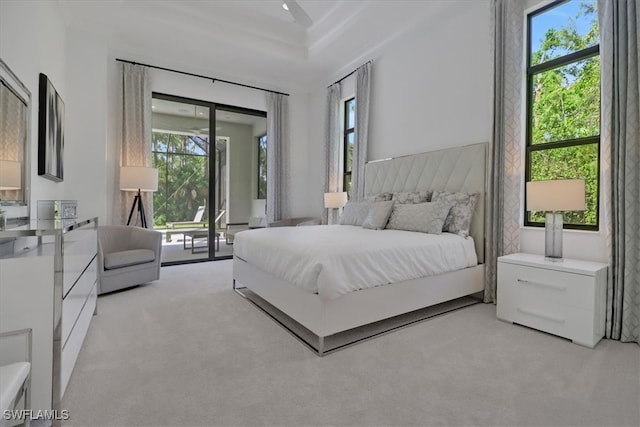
(183, 170)
(262, 167)
(348, 142)
(563, 102)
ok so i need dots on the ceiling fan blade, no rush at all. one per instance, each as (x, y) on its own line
(299, 14)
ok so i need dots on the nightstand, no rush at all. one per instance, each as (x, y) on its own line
(565, 298)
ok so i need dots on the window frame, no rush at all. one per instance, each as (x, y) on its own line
(530, 148)
(258, 166)
(345, 142)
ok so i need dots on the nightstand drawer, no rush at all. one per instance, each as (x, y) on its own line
(546, 286)
(573, 323)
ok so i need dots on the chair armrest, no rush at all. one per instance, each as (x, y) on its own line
(142, 238)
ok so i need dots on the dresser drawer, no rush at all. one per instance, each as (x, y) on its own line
(546, 286)
(76, 298)
(79, 248)
(71, 348)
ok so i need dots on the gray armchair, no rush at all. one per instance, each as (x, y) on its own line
(127, 256)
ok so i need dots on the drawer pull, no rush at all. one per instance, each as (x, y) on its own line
(544, 285)
(542, 315)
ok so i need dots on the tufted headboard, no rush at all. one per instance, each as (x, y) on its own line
(452, 169)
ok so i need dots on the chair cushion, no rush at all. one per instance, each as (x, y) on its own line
(127, 258)
(12, 377)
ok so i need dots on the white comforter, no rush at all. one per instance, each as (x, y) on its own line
(334, 260)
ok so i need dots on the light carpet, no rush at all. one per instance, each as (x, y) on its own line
(188, 351)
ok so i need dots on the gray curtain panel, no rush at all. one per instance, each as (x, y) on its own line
(332, 150)
(504, 167)
(277, 157)
(136, 136)
(363, 89)
(620, 148)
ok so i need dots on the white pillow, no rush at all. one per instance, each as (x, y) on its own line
(421, 217)
(378, 215)
(354, 213)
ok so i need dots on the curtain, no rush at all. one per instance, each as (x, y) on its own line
(277, 157)
(136, 136)
(502, 221)
(332, 150)
(363, 89)
(620, 147)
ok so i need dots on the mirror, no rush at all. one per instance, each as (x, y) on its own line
(15, 104)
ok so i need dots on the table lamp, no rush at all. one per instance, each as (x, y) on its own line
(554, 197)
(335, 201)
(138, 178)
(10, 178)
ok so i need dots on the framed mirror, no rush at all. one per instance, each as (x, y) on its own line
(15, 115)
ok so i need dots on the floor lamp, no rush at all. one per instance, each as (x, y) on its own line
(139, 179)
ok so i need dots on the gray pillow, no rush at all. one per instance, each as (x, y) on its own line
(421, 217)
(378, 215)
(462, 205)
(382, 197)
(354, 213)
(419, 196)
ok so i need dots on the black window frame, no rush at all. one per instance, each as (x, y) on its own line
(260, 151)
(346, 172)
(530, 148)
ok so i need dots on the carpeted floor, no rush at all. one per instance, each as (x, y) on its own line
(188, 351)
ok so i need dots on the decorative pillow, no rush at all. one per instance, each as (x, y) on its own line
(378, 215)
(382, 197)
(462, 205)
(354, 213)
(421, 217)
(420, 196)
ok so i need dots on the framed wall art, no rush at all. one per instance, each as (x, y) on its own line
(50, 131)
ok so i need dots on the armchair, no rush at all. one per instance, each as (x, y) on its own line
(127, 256)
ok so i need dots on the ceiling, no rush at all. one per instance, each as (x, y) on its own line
(251, 41)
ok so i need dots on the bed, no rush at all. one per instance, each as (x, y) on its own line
(315, 276)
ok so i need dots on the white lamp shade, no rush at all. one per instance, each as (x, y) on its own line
(556, 195)
(335, 200)
(258, 207)
(10, 176)
(134, 178)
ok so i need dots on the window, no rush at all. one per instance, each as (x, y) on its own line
(348, 142)
(262, 167)
(563, 102)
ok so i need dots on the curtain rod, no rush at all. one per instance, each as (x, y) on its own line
(213, 79)
(339, 80)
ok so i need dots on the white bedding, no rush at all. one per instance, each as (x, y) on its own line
(334, 260)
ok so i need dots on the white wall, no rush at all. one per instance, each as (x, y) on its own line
(33, 41)
(86, 120)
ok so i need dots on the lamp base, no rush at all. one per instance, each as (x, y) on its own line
(553, 236)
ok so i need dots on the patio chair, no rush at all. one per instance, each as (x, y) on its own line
(182, 226)
(197, 220)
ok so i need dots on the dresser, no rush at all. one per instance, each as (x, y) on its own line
(565, 298)
(49, 284)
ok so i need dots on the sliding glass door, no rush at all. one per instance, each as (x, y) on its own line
(211, 161)
(240, 174)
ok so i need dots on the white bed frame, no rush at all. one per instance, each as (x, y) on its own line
(454, 169)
